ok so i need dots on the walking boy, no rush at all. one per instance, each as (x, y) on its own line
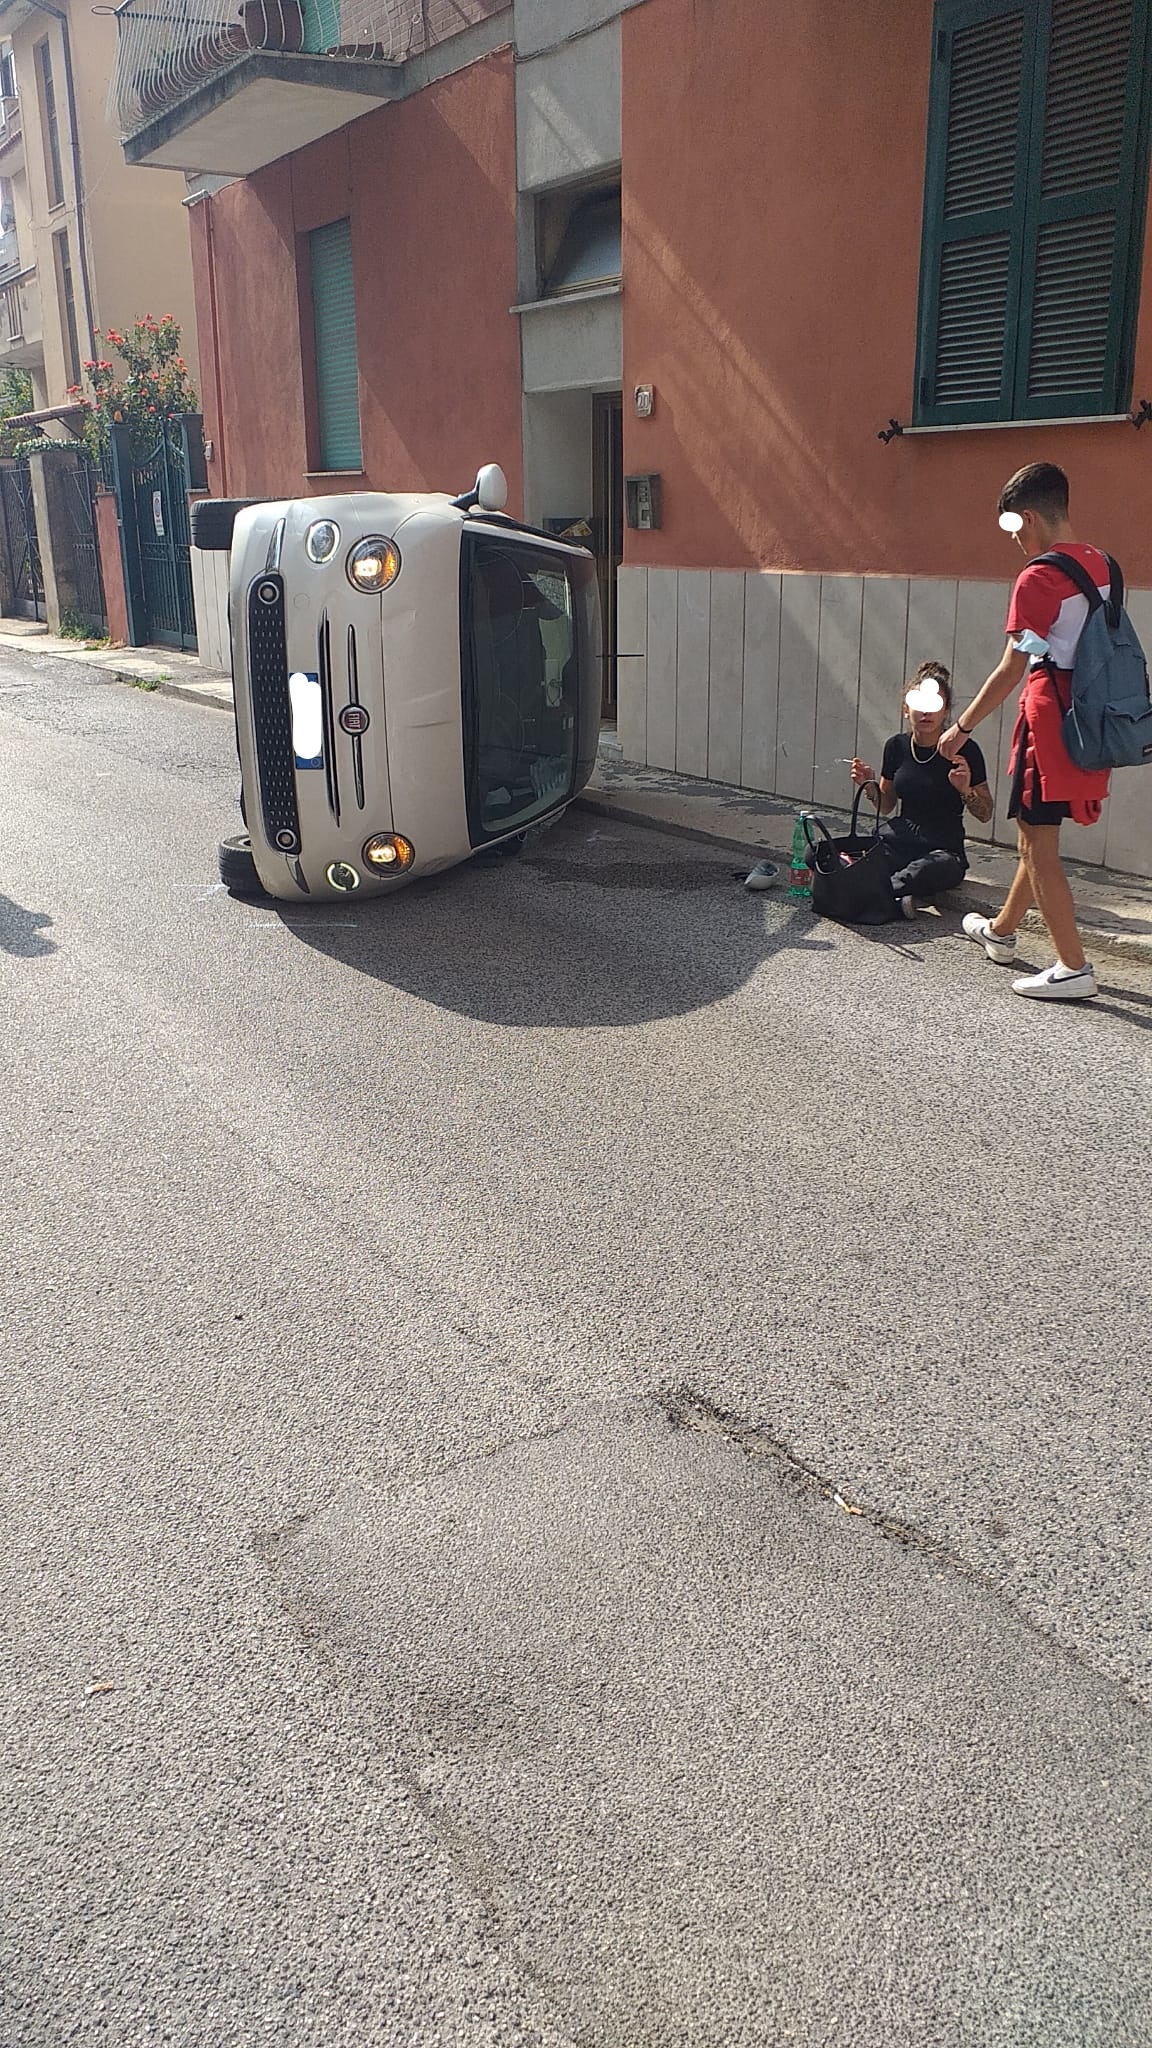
(1046, 617)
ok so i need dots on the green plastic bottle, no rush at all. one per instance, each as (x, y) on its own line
(800, 874)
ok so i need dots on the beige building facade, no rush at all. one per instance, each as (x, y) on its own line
(86, 241)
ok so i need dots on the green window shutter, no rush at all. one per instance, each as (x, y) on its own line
(1034, 209)
(973, 216)
(1082, 239)
(334, 328)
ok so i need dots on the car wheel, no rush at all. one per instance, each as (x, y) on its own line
(213, 520)
(238, 869)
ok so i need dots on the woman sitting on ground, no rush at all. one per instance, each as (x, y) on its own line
(925, 837)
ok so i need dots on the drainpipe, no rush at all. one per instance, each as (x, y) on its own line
(57, 14)
(218, 433)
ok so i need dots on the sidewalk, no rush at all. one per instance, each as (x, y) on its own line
(145, 668)
(1115, 910)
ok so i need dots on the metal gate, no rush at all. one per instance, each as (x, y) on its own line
(19, 510)
(159, 489)
(79, 508)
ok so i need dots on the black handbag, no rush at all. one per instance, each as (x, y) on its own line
(851, 872)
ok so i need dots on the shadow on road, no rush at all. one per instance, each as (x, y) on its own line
(571, 936)
(21, 931)
(1124, 1003)
(1114, 1000)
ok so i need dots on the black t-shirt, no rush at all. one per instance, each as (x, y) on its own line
(927, 799)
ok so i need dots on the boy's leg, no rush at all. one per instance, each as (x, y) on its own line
(1040, 849)
(1019, 900)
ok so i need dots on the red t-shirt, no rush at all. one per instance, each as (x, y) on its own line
(1046, 617)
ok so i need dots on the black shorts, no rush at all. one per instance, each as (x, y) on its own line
(1026, 802)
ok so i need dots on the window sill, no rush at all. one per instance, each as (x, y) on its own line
(323, 476)
(1079, 419)
(581, 298)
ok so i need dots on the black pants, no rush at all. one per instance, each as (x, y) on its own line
(919, 869)
(925, 877)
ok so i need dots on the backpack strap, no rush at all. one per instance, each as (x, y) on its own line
(1078, 574)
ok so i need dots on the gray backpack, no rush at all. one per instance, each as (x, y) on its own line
(1109, 721)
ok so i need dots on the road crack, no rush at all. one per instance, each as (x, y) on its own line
(687, 1409)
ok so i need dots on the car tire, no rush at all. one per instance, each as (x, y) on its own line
(238, 869)
(213, 520)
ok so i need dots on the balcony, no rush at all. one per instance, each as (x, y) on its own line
(227, 86)
(21, 331)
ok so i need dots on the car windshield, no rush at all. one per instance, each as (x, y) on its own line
(521, 682)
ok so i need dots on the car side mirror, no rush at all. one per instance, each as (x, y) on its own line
(492, 488)
(489, 492)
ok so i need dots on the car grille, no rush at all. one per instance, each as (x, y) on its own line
(331, 772)
(271, 712)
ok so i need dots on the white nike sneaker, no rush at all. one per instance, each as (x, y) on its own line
(999, 947)
(1058, 984)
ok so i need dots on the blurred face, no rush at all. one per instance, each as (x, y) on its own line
(927, 712)
(1031, 534)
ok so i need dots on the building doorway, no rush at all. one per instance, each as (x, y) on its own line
(574, 485)
(608, 524)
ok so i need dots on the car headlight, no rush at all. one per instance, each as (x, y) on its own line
(322, 540)
(373, 564)
(389, 852)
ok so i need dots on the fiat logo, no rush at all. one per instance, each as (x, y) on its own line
(354, 718)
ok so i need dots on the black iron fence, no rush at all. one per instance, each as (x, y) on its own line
(81, 542)
(25, 575)
(152, 495)
(151, 490)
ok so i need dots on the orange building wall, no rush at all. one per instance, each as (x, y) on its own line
(773, 180)
(430, 186)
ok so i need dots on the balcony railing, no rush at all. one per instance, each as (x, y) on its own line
(167, 48)
(21, 329)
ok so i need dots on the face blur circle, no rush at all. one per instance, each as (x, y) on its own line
(927, 710)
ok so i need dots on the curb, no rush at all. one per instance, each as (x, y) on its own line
(607, 807)
(969, 896)
(217, 698)
(215, 693)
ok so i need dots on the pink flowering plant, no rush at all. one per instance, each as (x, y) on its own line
(151, 390)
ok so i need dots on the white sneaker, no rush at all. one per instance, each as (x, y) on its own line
(1058, 984)
(999, 947)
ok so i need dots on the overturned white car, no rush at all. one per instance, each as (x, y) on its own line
(416, 678)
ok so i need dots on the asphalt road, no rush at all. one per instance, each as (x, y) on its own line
(575, 1449)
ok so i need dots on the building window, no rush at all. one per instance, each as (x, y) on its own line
(9, 245)
(334, 332)
(578, 240)
(50, 125)
(1037, 183)
(7, 74)
(67, 297)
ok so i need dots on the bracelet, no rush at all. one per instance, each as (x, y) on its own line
(967, 730)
